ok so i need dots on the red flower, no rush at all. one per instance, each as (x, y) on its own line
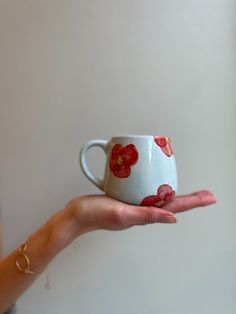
(165, 194)
(122, 158)
(164, 143)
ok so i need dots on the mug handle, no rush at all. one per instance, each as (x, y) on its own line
(84, 163)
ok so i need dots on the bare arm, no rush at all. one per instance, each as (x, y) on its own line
(81, 215)
(42, 245)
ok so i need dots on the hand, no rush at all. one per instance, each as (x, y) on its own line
(102, 212)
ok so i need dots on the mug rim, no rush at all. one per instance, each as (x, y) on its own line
(136, 136)
(132, 135)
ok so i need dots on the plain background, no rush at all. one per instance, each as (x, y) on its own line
(73, 70)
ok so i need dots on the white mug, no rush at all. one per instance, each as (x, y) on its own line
(140, 169)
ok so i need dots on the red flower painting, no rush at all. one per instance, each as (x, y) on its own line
(165, 194)
(164, 143)
(121, 160)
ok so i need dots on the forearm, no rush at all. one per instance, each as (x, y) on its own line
(42, 246)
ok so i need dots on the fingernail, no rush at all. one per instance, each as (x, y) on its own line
(207, 197)
(214, 200)
(210, 201)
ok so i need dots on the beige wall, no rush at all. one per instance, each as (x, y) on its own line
(75, 70)
(1, 241)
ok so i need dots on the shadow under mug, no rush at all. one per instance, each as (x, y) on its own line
(140, 169)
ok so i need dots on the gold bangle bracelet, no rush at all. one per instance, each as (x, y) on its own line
(22, 261)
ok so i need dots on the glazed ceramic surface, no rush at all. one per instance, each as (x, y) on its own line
(140, 169)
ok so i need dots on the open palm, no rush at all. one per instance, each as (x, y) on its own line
(103, 212)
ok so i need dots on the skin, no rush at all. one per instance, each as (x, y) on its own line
(81, 215)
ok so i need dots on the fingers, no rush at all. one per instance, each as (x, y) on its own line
(137, 215)
(187, 202)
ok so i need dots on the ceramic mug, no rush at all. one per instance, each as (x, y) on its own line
(140, 169)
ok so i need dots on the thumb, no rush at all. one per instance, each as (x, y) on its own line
(142, 215)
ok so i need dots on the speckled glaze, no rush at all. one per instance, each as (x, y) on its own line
(140, 169)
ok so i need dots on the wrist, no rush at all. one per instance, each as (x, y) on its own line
(65, 228)
(52, 237)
